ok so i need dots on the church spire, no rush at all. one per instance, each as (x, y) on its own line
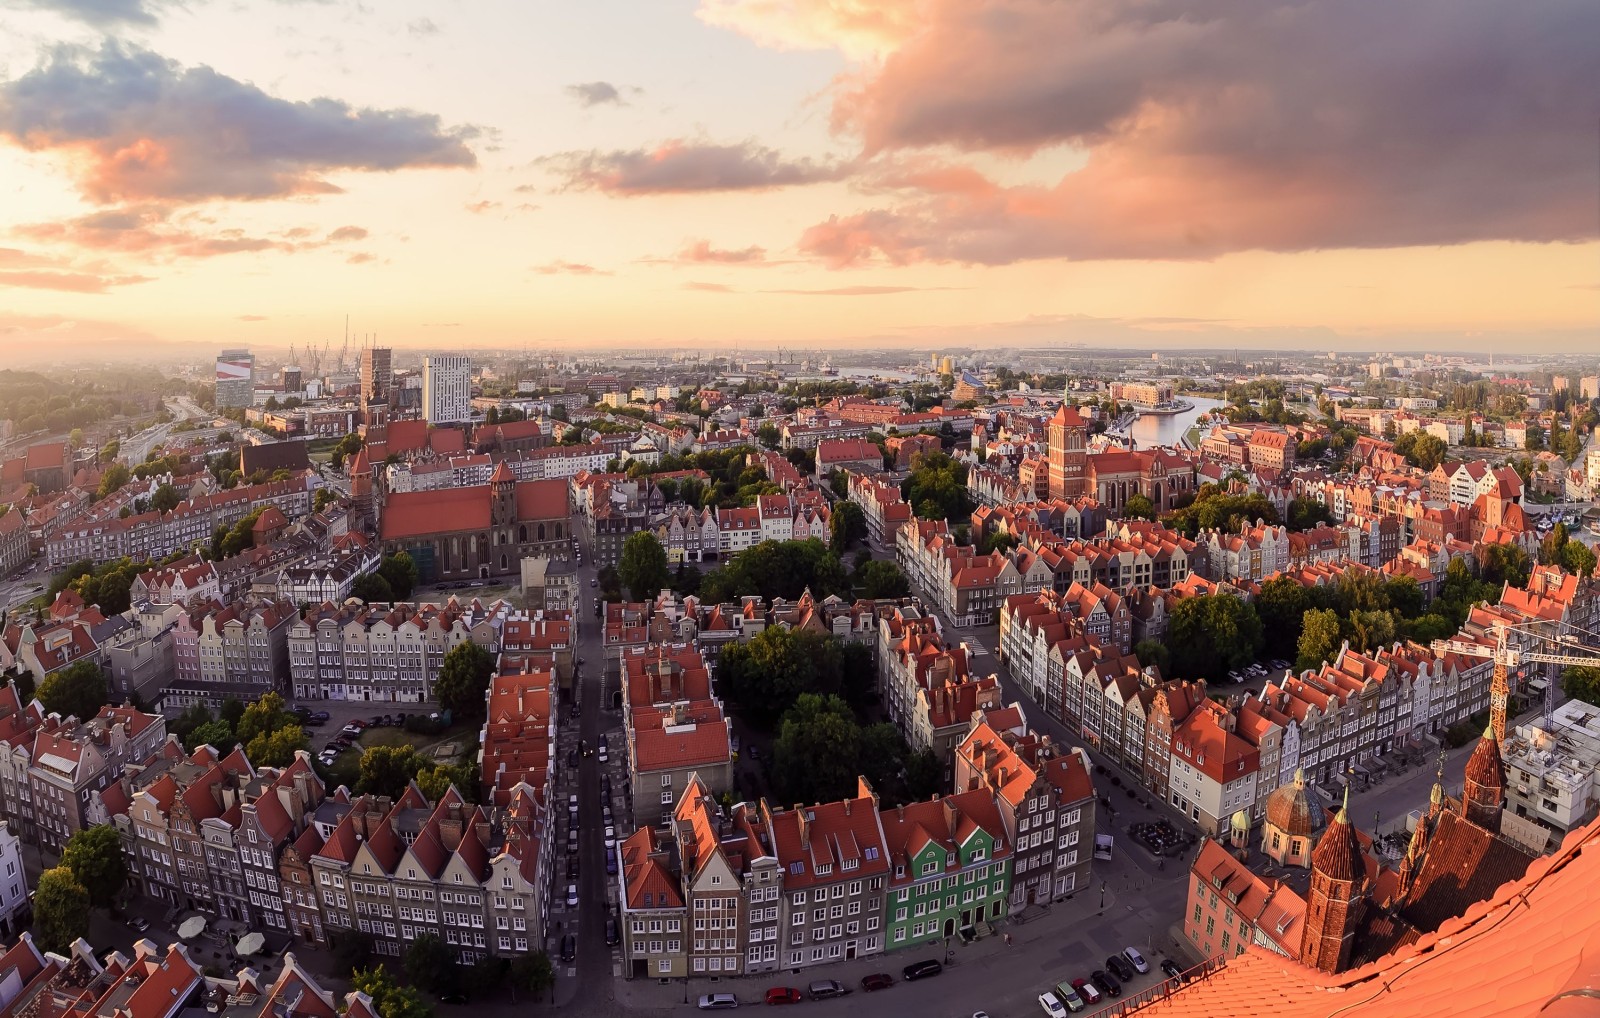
(1336, 899)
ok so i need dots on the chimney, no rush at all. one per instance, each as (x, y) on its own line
(450, 830)
(900, 813)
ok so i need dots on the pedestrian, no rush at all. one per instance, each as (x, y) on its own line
(1008, 940)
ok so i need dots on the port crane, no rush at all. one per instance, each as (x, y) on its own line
(1561, 648)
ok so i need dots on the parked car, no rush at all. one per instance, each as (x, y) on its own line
(572, 895)
(593, 582)
(877, 981)
(611, 864)
(1052, 1005)
(1120, 967)
(572, 841)
(1171, 968)
(572, 758)
(311, 722)
(822, 989)
(138, 924)
(602, 751)
(1086, 990)
(1069, 996)
(921, 969)
(1107, 982)
(611, 838)
(572, 867)
(784, 995)
(569, 947)
(572, 803)
(1136, 960)
(613, 935)
(718, 1001)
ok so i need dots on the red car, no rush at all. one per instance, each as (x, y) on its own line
(784, 995)
(877, 981)
(1087, 991)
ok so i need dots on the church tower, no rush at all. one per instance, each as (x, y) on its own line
(1484, 791)
(362, 505)
(503, 496)
(1337, 896)
(1068, 437)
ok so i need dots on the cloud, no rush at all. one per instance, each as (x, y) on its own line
(700, 252)
(861, 291)
(155, 232)
(479, 207)
(596, 93)
(1210, 126)
(137, 126)
(101, 13)
(683, 167)
(361, 258)
(564, 268)
(252, 318)
(709, 287)
(72, 282)
(441, 325)
(422, 26)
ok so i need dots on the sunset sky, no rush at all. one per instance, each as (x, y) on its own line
(1360, 174)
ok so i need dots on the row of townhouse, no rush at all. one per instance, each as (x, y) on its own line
(239, 652)
(747, 890)
(385, 653)
(1038, 522)
(966, 585)
(926, 686)
(696, 535)
(153, 535)
(399, 869)
(674, 727)
(881, 503)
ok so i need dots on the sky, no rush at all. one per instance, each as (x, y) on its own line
(1365, 174)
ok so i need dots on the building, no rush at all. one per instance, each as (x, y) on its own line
(446, 388)
(1551, 768)
(478, 532)
(1046, 798)
(1286, 835)
(675, 728)
(14, 546)
(951, 861)
(240, 652)
(1068, 453)
(235, 379)
(16, 909)
(1151, 394)
(74, 759)
(1230, 907)
(651, 905)
(377, 374)
(853, 454)
(1214, 770)
(834, 865)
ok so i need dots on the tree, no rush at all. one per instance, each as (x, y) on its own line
(534, 973)
(846, 526)
(463, 678)
(431, 966)
(1319, 638)
(400, 570)
(1581, 682)
(60, 910)
(1503, 563)
(765, 674)
(937, 487)
(165, 499)
(1370, 630)
(215, 734)
(1403, 595)
(372, 587)
(768, 435)
(1153, 654)
(323, 498)
(817, 752)
(94, 855)
(1578, 558)
(277, 747)
(389, 998)
(1282, 605)
(116, 475)
(387, 770)
(78, 690)
(262, 717)
(643, 566)
(924, 775)
(436, 781)
(232, 712)
(1212, 634)
(1305, 514)
(881, 578)
(351, 949)
(1139, 507)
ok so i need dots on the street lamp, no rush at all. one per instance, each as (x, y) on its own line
(1102, 896)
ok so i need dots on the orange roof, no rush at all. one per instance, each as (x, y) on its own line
(1533, 949)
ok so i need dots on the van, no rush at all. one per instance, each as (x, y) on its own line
(822, 989)
(922, 969)
(1068, 996)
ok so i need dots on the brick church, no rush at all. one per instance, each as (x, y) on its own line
(1116, 475)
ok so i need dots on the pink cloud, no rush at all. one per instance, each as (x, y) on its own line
(153, 231)
(565, 268)
(700, 252)
(685, 167)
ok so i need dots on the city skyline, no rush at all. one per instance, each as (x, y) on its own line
(813, 173)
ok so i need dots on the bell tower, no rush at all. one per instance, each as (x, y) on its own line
(1337, 897)
(1483, 793)
(1068, 453)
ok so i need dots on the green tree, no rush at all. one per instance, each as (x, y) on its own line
(924, 775)
(323, 498)
(463, 678)
(372, 588)
(1319, 638)
(1139, 507)
(1581, 682)
(764, 675)
(351, 949)
(215, 734)
(389, 998)
(937, 487)
(439, 779)
(1282, 605)
(60, 910)
(115, 476)
(1305, 514)
(817, 753)
(1211, 634)
(533, 973)
(387, 770)
(1153, 653)
(883, 753)
(263, 716)
(232, 712)
(277, 747)
(1578, 558)
(1403, 595)
(165, 499)
(847, 525)
(400, 571)
(94, 855)
(643, 566)
(768, 435)
(881, 578)
(78, 689)
(430, 966)
(1369, 630)
(1503, 563)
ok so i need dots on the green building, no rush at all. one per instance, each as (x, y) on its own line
(951, 867)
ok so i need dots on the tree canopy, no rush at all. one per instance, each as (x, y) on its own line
(762, 676)
(78, 689)
(60, 910)
(774, 569)
(389, 998)
(847, 526)
(463, 678)
(936, 488)
(94, 855)
(1213, 634)
(399, 571)
(643, 566)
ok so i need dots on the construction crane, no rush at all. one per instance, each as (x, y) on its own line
(1569, 651)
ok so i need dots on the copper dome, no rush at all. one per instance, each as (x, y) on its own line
(1289, 808)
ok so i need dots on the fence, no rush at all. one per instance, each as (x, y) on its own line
(1166, 987)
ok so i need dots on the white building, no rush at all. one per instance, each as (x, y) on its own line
(14, 908)
(1551, 765)
(447, 388)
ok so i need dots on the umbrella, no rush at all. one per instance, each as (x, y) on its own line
(250, 943)
(192, 927)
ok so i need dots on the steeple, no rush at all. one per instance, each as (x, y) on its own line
(1337, 895)
(1484, 791)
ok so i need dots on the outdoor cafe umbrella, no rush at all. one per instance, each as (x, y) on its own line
(250, 943)
(192, 927)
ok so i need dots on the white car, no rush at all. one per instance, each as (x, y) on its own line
(611, 838)
(718, 1001)
(1052, 1006)
(1136, 960)
(572, 895)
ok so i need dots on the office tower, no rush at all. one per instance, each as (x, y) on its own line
(447, 388)
(376, 373)
(236, 384)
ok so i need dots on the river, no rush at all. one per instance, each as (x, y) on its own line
(1168, 429)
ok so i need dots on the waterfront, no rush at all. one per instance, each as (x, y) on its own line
(1169, 429)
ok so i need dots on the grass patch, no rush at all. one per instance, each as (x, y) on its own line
(400, 737)
(346, 770)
